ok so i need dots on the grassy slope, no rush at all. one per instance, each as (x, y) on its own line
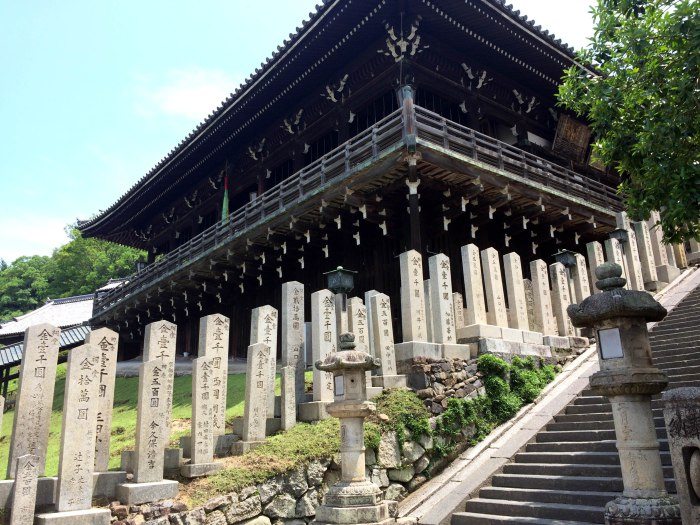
(124, 416)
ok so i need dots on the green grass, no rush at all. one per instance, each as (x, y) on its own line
(124, 415)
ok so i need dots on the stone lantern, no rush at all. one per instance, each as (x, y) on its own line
(629, 379)
(354, 499)
(341, 281)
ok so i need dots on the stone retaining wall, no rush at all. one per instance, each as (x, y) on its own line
(292, 498)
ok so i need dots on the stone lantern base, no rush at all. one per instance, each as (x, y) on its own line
(652, 511)
(353, 503)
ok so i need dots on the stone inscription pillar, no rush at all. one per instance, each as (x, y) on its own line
(413, 320)
(324, 337)
(293, 333)
(37, 376)
(473, 286)
(107, 341)
(76, 462)
(213, 344)
(441, 300)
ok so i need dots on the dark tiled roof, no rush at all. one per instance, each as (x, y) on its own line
(12, 355)
(209, 123)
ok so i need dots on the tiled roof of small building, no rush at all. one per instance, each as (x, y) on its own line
(69, 311)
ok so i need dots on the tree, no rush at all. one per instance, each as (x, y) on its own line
(643, 105)
(78, 267)
(23, 286)
(83, 265)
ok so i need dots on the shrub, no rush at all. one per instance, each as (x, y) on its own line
(490, 365)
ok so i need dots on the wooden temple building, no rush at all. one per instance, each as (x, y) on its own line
(377, 127)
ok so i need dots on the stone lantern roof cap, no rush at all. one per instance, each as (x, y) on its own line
(348, 358)
(614, 301)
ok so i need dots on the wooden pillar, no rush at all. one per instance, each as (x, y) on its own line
(413, 207)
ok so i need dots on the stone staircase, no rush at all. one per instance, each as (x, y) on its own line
(572, 468)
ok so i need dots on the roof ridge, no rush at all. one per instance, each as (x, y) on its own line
(269, 63)
(227, 102)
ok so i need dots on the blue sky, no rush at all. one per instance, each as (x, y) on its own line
(93, 94)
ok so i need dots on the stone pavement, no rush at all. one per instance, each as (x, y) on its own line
(183, 366)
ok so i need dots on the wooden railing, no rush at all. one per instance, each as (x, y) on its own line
(435, 129)
(333, 166)
(336, 165)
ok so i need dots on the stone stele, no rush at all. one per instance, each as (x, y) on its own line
(257, 390)
(213, 343)
(108, 343)
(76, 461)
(516, 291)
(544, 315)
(495, 299)
(202, 436)
(159, 344)
(151, 418)
(473, 286)
(561, 298)
(441, 300)
(37, 375)
(292, 313)
(263, 329)
(288, 405)
(24, 490)
(383, 333)
(323, 338)
(413, 320)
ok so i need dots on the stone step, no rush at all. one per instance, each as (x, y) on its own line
(593, 422)
(590, 400)
(683, 370)
(587, 425)
(682, 336)
(589, 409)
(577, 458)
(536, 510)
(681, 384)
(565, 497)
(667, 348)
(558, 469)
(675, 359)
(473, 518)
(583, 418)
(570, 483)
(547, 436)
(582, 446)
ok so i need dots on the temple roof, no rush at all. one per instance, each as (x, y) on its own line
(65, 312)
(312, 53)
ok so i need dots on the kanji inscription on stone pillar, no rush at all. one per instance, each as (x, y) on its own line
(383, 333)
(473, 286)
(413, 321)
(293, 333)
(76, 461)
(263, 329)
(516, 291)
(441, 299)
(108, 343)
(495, 298)
(324, 338)
(213, 343)
(37, 376)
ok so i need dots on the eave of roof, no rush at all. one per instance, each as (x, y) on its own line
(212, 122)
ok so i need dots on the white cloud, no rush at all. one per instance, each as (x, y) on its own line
(190, 93)
(31, 234)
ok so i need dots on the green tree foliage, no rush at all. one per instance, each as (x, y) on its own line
(644, 105)
(23, 285)
(78, 267)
